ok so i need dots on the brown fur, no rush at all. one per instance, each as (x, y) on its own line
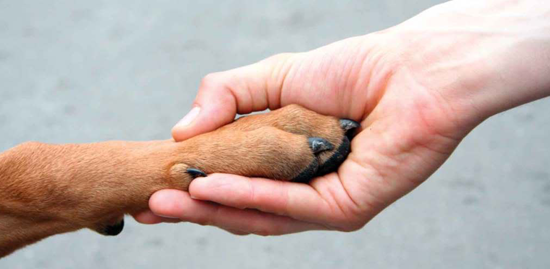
(51, 189)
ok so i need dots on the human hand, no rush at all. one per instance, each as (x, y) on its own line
(407, 134)
(415, 88)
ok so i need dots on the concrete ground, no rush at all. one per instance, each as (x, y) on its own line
(82, 71)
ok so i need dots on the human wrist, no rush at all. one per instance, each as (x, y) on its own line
(480, 57)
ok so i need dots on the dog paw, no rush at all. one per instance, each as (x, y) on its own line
(298, 120)
(291, 143)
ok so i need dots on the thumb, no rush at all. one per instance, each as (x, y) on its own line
(222, 95)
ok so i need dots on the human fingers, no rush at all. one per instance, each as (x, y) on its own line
(177, 204)
(324, 202)
(222, 95)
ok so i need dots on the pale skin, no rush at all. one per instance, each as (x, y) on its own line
(417, 89)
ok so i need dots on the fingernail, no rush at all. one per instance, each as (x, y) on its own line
(189, 118)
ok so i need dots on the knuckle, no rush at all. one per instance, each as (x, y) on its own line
(251, 196)
(209, 80)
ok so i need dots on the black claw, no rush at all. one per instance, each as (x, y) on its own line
(349, 125)
(319, 145)
(113, 230)
(196, 172)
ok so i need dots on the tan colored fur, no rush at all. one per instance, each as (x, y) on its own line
(52, 189)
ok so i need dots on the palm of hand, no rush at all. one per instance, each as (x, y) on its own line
(407, 131)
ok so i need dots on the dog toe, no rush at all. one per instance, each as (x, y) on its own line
(317, 146)
(341, 153)
(338, 156)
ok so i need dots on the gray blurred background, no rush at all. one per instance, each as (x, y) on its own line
(83, 71)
